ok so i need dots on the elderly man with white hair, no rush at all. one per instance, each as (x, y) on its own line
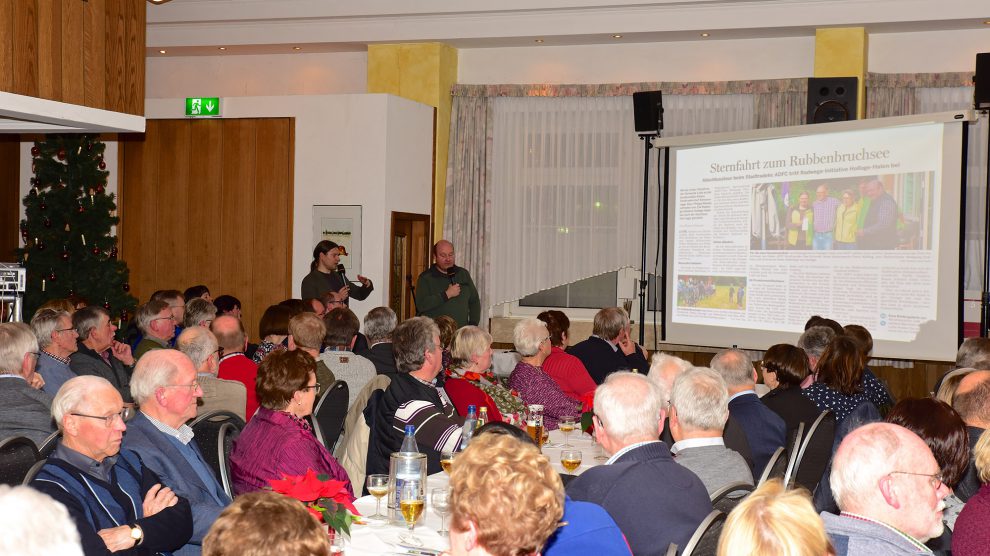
(57, 340)
(535, 386)
(699, 408)
(890, 491)
(200, 346)
(117, 503)
(25, 410)
(166, 388)
(156, 321)
(378, 326)
(35, 525)
(654, 501)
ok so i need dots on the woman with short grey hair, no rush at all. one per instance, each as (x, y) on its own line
(532, 341)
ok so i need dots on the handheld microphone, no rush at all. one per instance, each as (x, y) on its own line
(341, 271)
(450, 276)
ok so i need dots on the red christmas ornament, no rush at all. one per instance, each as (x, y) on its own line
(126, 287)
(81, 209)
(51, 276)
(35, 151)
(43, 205)
(103, 165)
(60, 154)
(95, 250)
(65, 253)
(106, 305)
(101, 188)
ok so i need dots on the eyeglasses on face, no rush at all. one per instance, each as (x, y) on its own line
(108, 420)
(170, 317)
(934, 479)
(193, 386)
(315, 388)
(70, 329)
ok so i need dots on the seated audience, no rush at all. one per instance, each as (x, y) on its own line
(378, 326)
(470, 380)
(196, 292)
(25, 410)
(609, 348)
(772, 520)
(838, 384)
(166, 389)
(973, 353)
(813, 341)
(784, 369)
(266, 524)
(59, 305)
(57, 340)
(448, 327)
(98, 353)
(488, 517)
(199, 312)
(699, 408)
(665, 368)
(876, 391)
(273, 329)
(972, 402)
(946, 391)
(532, 341)
(413, 398)
(117, 503)
(888, 487)
(279, 441)
(765, 430)
(155, 321)
(234, 364)
(970, 535)
(640, 473)
(35, 525)
(200, 346)
(306, 334)
(944, 432)
(565, 369)
(818, 320)
(227, 305)
(342, 327)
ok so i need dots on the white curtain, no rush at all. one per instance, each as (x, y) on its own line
(958, 98)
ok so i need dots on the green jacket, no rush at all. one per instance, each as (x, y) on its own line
(432, 301)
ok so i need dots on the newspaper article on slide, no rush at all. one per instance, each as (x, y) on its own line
(846, 224)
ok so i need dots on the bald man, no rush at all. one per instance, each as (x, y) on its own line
(972, 402)
(447, 289)
(234, 365)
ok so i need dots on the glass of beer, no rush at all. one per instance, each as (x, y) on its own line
(447, 460)
(534, 423)
(567, 425)
(570, 459)
(411, 503)
(440, 500)
(378, 487)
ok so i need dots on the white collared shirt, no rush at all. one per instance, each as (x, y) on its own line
(696, 443)
(743, 393)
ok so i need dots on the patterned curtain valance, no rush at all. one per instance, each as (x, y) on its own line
(919, 80)
(797, 85)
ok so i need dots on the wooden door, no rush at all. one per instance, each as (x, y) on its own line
(410, 256)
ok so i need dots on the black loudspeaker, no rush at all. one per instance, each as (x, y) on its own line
(648, 109)
(981, 93)
(832, 99)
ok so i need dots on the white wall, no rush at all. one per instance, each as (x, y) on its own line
(369, 150)
(928, 52)
(256, 75)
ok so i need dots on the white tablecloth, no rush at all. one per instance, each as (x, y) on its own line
(382, 539)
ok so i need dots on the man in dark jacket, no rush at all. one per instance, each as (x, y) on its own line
(610, 348)
(99, 354)
(447, 289)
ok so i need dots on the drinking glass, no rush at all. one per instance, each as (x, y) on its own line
(440, 500)
(571, 460)
(378, 487)
(534, 423)
(411, 502)
(337, 545)
(447, 460)
(601, 451)
(567, 425)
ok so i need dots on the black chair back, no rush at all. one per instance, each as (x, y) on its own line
(225, 444)
(17, 455)
(794, 451)
(329, 415)
(809, 469)
(727, 497)
(704, 541)
(775, 468)
(214, 434)
(48, 446)
(33, 472)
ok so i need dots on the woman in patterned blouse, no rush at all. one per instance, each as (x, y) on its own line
(534, 386)
(470, 380)
(839, 382)
(273, 330)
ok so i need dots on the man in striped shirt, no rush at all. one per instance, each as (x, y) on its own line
(824, 209)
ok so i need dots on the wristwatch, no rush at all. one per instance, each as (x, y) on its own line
(137, 534)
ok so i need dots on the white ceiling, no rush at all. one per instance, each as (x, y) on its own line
(199, 27)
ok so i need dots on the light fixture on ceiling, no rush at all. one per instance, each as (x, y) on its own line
(616, 36)
(705, 35)
(162, 51)
(221, 48)
(538, 41)
(296, 48)
(158, 2)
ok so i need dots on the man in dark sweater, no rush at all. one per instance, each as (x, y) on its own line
(378, 326)
(610, 348)
(447, 289)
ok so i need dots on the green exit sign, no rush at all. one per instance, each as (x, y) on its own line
(202, 106)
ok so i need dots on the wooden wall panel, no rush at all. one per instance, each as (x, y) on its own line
(272, 231)
(10, 196)
(237, 218)
(203, 203)
(138, 189)
(81, 52)
(171, 195)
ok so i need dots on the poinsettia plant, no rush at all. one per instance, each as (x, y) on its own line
(328, 500)
(588, 412)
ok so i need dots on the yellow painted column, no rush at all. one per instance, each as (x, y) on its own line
(423, 72)
(842, 52)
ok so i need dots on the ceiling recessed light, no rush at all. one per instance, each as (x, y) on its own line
(221, 48)
(296, 48)
(539, 41)
(987, 22)
(616, 36)
(162, 51)
(704, 34)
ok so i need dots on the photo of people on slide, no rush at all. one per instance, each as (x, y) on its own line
(873, 212)
(712, 292)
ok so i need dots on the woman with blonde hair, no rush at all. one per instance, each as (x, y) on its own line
(470, 380)
(775, 521)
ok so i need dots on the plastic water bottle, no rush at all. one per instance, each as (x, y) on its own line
(409, 442)
(407, 465)
(469, 424)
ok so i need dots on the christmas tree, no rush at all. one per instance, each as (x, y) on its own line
(68, 246)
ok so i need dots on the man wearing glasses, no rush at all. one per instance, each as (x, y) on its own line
(24, 409)
(166, 387)
(156, 322)
(117, 503)
(889, 488)
(57, 339)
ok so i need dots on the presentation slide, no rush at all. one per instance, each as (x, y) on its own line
(859, 226)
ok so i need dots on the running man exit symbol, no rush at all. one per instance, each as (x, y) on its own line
(203, 106)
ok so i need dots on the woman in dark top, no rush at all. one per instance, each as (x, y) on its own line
(839, 382)
(784, 367)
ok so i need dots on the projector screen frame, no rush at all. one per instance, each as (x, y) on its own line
(965, 117)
